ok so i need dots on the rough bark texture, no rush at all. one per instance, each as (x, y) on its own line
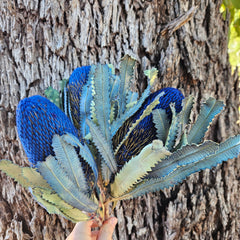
(42, 41)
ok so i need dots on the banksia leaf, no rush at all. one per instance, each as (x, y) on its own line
(85, 107)
(187, 155)
(54, 204)
(184, 115)
(63, 186)
(126, 74)
(26, 176)
(69, 161)
(161, 122)
(53, 95)
(85, 152)
(137, 167)
(208, 111)
(173, 130)
(102, 145)
(102, 99)
(120, 120)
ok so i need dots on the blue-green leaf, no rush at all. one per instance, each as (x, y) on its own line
(173, 130)
(208, 111)
(102, 99)
(187, 155)
(161, 121)
(138, 167)
(227, 150)
(103, 146)
(68, 159)
(84, 151)
(85, 106)
(63, 186)
(126, 74)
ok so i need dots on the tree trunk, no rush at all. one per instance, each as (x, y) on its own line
(42, 41)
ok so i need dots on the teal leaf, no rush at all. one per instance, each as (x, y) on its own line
(68, 159)
(161, 121)
(137, 167)
(126, 74)
(84, 151)
(61, 183)
(184, 115)
(132, 98)
(152, 75)
(208, 111)
(103, 146)
(226, 150)
(187, 155)
(53, 95)
(173, 130)
(102, 99)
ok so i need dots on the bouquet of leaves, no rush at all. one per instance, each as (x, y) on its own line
(97, 141)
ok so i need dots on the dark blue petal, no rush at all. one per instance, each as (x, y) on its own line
(38, 120)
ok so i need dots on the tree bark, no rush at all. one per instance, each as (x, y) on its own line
(42, 41)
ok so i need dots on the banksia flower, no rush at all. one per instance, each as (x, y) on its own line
(145, 132)
(38, 119)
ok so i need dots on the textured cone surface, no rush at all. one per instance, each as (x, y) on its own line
(38, 120)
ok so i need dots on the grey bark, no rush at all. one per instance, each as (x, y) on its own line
(42, 41)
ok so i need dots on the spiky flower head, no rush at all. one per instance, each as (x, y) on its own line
(38, 119)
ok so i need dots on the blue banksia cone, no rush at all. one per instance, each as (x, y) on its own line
(145, 132)
(38, 119)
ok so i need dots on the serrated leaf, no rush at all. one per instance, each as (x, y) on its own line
(102, 99)
(138, 167)
(128, 113)
(227, 150)
(106, 173)
(173, 130)
(161, 121)
(145, 113)
(68, 159)
(85, 106)
(126, 74)
(102, 145)
(84, 151)
(54, 204)
(208, 111)
(184, 115)
(183, 141)
(187, 155)
(63, 186)
(115, 85)
(26, 176)
(152, 75)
